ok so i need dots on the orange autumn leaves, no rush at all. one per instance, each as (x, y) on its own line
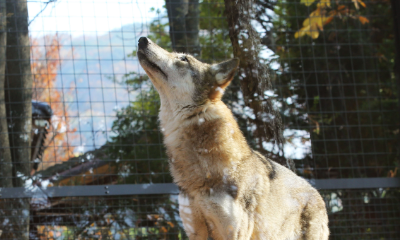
(45, 61)
(322, 16)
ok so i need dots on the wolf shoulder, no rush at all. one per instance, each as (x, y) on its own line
(288, 188)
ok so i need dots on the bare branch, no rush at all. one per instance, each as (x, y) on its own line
(46, 4)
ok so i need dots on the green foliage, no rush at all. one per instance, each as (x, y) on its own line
(346, 94)
(137, 144)
(216, 45)
(158, 30)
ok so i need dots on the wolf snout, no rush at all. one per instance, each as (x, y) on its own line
(143, 42)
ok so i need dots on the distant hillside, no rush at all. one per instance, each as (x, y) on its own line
(89, 63)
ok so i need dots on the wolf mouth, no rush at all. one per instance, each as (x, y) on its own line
(143, 57)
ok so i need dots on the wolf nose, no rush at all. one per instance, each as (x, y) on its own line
(143, 42)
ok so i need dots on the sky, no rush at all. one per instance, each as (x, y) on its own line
(79, 17)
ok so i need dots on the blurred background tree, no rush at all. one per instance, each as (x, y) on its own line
(337, 66)
(17, 86)
(45, 64)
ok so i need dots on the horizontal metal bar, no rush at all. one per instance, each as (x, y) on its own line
(93, 190)
(355, 183)
(170, 188)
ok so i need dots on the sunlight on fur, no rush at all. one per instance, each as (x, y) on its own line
(228, 190)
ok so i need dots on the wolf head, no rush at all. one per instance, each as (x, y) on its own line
(181, 80)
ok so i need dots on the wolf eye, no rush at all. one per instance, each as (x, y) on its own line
(183, 58)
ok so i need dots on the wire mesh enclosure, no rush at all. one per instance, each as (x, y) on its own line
(120, 217)
(81, 150)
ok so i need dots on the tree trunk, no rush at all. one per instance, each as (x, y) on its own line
(5, 154)
(184, 26)
(254, 76)
(19, 89)
(18, 93)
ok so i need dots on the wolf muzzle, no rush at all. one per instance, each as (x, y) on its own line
(145, 56)
(143, 42)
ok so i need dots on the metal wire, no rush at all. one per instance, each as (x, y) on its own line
(337, 96)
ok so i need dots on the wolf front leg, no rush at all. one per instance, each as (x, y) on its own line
(315, 219)
(226, 218)
(192, 218)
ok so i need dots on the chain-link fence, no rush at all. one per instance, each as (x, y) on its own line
(81, 151)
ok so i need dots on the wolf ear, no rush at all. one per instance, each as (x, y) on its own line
(225, 71)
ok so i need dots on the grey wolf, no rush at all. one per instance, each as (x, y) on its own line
(228, 190)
